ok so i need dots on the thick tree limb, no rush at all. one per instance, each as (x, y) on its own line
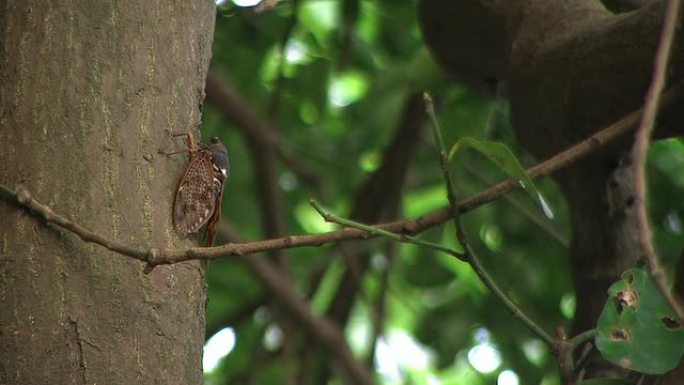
(568, 67)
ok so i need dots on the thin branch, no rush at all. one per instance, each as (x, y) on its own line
(583, 337)
(470, 256)
(565, 349)
(154, 257)
(328, 217)
(640, 150)
(24, 198)
(582, 361)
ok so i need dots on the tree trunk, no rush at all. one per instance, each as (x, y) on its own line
(90, 92)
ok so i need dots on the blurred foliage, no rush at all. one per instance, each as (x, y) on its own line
(335, 88)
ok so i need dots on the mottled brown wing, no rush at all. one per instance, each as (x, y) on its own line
(196, 195)
(213, 222)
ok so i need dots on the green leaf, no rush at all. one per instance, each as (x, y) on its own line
(502, 156)
(637, 330)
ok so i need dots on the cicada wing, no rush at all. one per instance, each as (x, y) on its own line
(213, 222)
(195, 199)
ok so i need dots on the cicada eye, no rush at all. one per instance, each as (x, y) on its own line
(215, 140)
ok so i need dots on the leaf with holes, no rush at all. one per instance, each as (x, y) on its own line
(636, 329)
(502, 157)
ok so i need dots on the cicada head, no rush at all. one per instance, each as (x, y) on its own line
(220, 155)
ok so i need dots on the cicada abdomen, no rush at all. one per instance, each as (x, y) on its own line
(200, 190)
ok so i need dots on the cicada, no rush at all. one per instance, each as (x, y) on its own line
(200, 190)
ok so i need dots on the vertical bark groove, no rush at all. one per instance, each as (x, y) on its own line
(89, 92)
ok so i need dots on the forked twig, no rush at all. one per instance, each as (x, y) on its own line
(640, 150)
(469, 255)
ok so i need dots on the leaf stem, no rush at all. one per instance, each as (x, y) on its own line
(470, 256)
(583, 337)
(328, 217)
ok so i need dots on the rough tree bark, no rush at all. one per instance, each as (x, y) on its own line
(89, 92)
(568, 68)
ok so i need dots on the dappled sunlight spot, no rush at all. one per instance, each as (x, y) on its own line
(567, 305)
(242, 3)
(370, 161)
(310, 220)
(507, 377)
(379, 262)
(359, 332)
(287, 181)
(491, 236)
(295, 51)
(319, 16)
(484, 357)
(481, 335)
(673, 223)
(273, 337)
(347, 88)
(386, 362)
(421, 200)
(535, 351)
(217, 347)
(399, 351)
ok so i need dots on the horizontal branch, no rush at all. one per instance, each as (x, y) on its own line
(155, 256)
